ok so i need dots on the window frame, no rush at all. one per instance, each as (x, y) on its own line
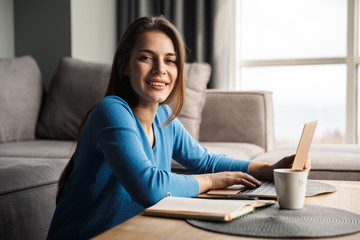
(352, 62)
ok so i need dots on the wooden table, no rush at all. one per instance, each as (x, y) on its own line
(346, 197)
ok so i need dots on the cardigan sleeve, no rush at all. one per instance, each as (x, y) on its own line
(118, 139)
(198, 159)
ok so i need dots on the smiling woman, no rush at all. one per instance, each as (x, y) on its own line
(152, 68)
(122, 161)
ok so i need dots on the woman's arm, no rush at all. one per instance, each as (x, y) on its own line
(199, 160)
(257, 170)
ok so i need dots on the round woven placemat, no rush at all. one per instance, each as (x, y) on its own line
(272, 222)
(314, 188)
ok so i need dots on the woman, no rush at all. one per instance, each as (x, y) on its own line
(122, 162)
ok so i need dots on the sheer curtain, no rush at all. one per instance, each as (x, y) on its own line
(208, 27)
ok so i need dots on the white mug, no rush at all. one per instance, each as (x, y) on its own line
(290, 185)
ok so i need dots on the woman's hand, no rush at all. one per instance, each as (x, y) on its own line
(225, 179)
(264, 171)
(287, 162)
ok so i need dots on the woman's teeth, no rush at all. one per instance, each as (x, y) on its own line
(157, 83)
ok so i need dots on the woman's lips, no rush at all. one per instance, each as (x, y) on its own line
(157, 83)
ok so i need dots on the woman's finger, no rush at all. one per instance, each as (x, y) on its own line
(307, 164)
(248, 180)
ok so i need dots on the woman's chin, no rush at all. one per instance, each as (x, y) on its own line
(152, 101)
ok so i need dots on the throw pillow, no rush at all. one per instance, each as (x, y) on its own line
(76, 86)
(197, 76)
(20, 98)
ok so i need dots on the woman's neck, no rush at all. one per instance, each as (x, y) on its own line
(146, 116)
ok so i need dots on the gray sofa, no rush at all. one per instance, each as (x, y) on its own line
(37, 132)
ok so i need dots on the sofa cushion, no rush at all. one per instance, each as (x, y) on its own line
(20, 98)
(38, 149)
(328, 161)
(76, 86)
(197, 76)
(23, 173)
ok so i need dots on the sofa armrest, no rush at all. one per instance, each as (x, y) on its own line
(238, 116)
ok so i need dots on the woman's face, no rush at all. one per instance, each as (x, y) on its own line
(152, 68)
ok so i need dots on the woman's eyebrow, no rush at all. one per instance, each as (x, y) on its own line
(152, 52)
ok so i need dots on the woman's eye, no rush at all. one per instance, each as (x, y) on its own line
(146, 58)
(172, 61)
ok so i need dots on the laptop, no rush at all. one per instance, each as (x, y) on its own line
(267, 189)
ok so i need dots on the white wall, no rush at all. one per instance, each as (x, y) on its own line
(7, 49)
(93, 30)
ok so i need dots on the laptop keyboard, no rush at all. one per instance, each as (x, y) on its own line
(266, 189)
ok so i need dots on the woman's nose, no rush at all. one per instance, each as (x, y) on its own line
(159, 68)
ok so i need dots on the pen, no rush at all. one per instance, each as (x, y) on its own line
(228, 197)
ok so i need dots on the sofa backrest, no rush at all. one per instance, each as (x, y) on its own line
(238, 116)
(77, 85)
(21, 91)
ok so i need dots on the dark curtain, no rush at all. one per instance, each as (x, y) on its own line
(206, 25)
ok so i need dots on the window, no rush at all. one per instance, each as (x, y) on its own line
(299, 50)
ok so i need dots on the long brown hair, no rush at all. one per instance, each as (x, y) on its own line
(119, 84)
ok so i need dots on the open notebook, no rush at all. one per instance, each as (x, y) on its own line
(267, 189)
(204, 209)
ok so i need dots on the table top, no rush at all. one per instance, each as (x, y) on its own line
(347, 197)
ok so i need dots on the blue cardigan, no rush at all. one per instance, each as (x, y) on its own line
(117, 173)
